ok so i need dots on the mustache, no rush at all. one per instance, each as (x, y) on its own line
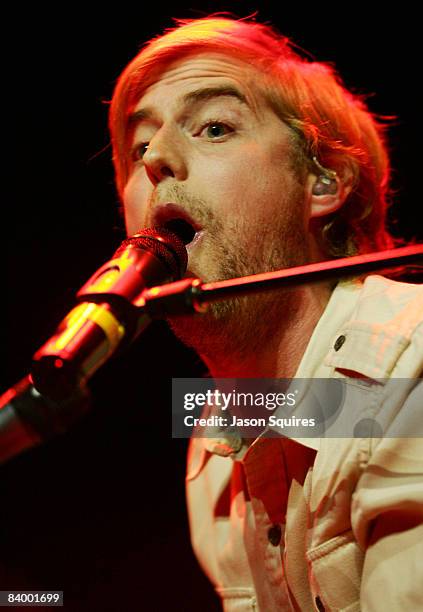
(195, 206)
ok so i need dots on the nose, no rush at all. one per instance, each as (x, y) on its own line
(165, 157)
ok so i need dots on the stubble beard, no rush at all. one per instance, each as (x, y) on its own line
(236, 328)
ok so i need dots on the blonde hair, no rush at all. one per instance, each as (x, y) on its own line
(330, 123)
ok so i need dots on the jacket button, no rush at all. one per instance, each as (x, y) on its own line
(339, 342)
(274, 535)
(319, 604)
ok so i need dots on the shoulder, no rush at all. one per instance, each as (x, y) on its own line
(384, 334)
(382, 299)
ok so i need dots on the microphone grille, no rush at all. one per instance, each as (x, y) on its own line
(164, 244)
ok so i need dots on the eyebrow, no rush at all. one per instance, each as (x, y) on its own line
(191, 99)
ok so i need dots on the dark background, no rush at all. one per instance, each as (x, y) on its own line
(100, 511)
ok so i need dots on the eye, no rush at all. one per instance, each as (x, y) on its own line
(139, 151)
(216, 129)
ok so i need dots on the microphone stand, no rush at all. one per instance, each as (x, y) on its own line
(28, 418)
(191, 295)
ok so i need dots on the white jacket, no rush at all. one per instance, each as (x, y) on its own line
(329, 523)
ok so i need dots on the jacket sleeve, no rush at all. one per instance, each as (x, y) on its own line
(387, 514)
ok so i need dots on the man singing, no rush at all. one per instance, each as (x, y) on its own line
(259, 160)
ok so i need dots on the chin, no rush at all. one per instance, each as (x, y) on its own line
(230, 329)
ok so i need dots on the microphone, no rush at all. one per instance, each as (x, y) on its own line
(28, 419)
(109, 314)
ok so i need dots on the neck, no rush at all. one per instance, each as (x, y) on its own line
(276, 338)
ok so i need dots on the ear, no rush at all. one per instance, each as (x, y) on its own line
(326, 201)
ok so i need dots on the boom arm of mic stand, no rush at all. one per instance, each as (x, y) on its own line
(27, 418)
(191, 295)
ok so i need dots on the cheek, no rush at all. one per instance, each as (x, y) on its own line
(256, 182)
(230, 183)
(135, 199)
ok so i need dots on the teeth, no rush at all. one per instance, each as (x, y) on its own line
(182, 228)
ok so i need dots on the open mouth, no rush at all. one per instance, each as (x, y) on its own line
(176, 220)
(183, 229)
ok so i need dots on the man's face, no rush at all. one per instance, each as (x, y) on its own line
(219, 157)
